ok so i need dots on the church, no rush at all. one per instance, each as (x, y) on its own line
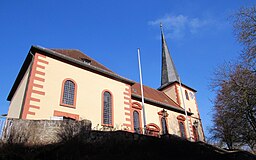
(56, 84)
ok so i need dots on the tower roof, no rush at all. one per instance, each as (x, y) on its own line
(169, 72)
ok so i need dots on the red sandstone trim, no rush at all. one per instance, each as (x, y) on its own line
(31, 84)
(40, 66)
(65, 114)
(177, 94)
(127, 98)
(42, 56)
(185, 130)
(128, 119)
(127, 103)
(39, 79)
(62, 93)
(102, 108)
(127, 108)
(160, 113)
(39, 72)
(42, 61)
(127, 113)
(126, 93)
(38, 85)
(181, 118)
(153, 129)
(33, 106)
(38, 92)
(34, 99)
(31, 113)
(136, 106)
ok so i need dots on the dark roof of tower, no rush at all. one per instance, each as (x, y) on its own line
(169, 72)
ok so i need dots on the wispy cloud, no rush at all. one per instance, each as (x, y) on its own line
(177, 27)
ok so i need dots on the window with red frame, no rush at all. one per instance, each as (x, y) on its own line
(182, 130)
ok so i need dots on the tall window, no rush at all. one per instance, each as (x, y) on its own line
(107, 109)
(68, 93)
(136, 111)
(182, 130)
(136, 121)
(195, 132)
(164, 126)
(186, 94)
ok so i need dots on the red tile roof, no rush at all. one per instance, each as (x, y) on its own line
(154, 95)
(78, 55)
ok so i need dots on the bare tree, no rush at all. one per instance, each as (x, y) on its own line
(235, 85)
(235, 106)
(245, 31)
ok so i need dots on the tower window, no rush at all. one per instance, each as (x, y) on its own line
(186, 94)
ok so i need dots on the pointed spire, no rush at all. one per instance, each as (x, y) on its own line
(169, 73)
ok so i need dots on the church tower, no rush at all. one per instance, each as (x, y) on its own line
(170, 85)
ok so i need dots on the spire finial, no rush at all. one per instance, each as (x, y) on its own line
(161, 27)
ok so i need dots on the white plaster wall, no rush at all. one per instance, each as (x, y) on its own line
(89, 93)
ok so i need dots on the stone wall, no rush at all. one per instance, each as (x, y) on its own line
(41, 132)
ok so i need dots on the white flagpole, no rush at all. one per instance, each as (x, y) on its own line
(142, 95)
(185, 110)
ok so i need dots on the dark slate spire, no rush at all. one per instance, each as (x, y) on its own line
(169, 73)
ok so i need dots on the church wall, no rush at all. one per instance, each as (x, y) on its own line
(90, 87)
(152, 116)
(172, 93)
(17, 99)
(191, 106)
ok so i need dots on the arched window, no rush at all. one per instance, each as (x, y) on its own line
(107, 108)
(186, 94)
(164, 126)
(136, 122)
(136, 114)
(163, 120)
(182, 130)
(68, 95)
(195, 132)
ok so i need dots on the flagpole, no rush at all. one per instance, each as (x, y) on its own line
(185, 109)
(142, 93)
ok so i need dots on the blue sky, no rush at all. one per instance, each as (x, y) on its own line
(199, 35)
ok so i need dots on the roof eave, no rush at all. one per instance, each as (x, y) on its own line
(170, 83)
(20, 75)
